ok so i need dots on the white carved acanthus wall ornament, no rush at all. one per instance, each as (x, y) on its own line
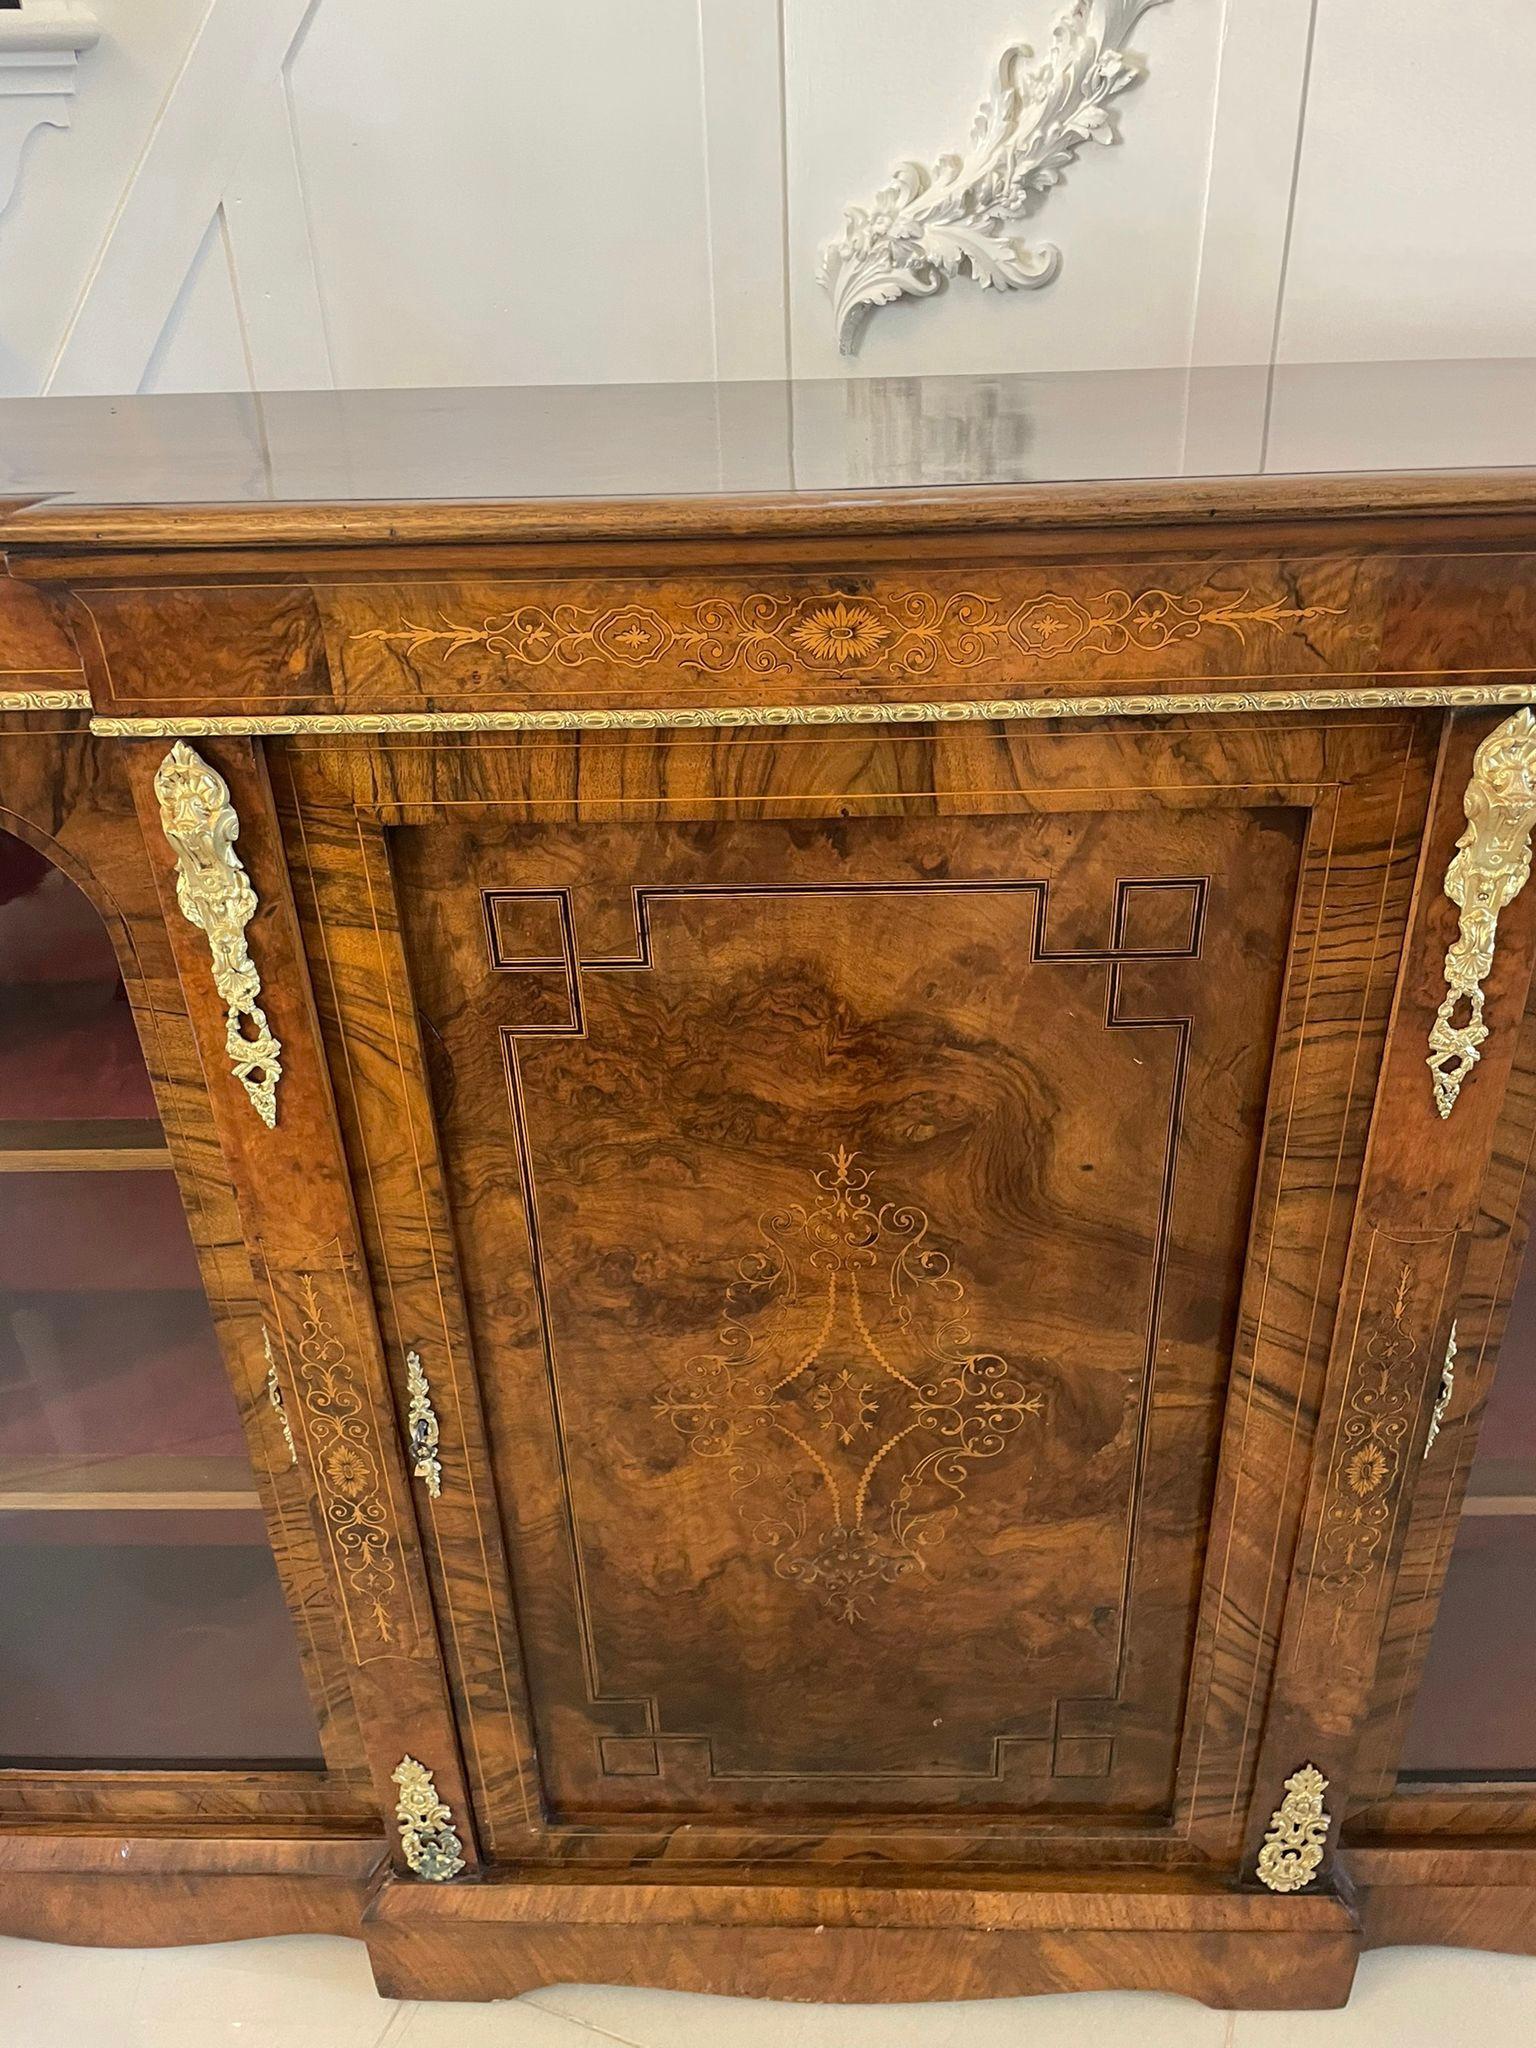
(40, 45)
(930, 223)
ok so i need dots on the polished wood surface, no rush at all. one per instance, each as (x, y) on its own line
(163, 1890)
(297, 1213)
(903, 1228)
(783, 1192)
(872, 1945)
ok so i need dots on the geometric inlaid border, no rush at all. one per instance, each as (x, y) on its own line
(1070, 1755)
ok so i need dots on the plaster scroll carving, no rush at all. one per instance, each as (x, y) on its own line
(932, 221)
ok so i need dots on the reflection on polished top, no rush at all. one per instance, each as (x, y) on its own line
(706, 440)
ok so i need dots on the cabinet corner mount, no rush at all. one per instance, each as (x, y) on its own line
(215, 894)
(1490, 867)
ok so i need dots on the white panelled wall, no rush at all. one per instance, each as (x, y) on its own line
(296, 193)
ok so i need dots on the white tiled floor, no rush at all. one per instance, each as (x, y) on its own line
(314, 1993)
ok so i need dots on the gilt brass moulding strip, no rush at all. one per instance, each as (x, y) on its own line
(994, 710)
(45, 700)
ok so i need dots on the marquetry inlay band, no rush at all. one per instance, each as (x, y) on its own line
(911, 631)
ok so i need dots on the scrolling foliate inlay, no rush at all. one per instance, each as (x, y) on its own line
(1369, 1452)
(842, 1397)
(352, 1497)
(839, 633)
(1491, 865)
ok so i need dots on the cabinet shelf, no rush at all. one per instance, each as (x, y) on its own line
(85, 1145)
(87, 1485)
(1502, 1486)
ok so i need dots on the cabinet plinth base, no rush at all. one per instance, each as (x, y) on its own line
(105, 1890)
(864, 1945)
(1427, 1894)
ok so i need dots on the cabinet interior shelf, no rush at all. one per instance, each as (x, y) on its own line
(89, 1145)
(1502, 1486)
(82, 1484)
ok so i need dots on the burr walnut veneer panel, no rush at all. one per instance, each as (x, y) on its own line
(844, 1154)
(853, 1266)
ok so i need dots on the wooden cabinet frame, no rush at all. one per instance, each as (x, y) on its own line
(348, 676)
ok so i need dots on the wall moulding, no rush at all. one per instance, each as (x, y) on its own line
(934, 221)
(40, 46)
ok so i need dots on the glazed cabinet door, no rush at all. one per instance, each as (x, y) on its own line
(857, 1219)
(170, 1651)
(1450, 1749)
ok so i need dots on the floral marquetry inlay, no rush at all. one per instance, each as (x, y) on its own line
(909, 633)
(352, 1500)
(1377, 1416)
(842, 1398)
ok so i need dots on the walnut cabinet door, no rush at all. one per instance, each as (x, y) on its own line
(857, 1219)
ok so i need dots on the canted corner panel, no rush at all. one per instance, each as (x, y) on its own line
(340, 1427)
(342, 879)
(1302, 1299)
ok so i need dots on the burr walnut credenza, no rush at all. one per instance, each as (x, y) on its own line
(755, 1240)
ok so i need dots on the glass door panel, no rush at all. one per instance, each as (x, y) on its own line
(147, 1636)
(139, 1602)
(1476, 1711)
